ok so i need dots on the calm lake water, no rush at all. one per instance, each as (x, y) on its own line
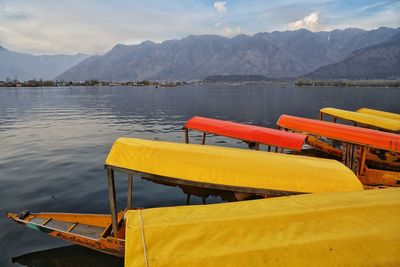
(53, 143)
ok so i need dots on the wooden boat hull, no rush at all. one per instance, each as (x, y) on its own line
(88, 230)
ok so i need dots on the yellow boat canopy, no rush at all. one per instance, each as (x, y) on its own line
(379, 113)
(328, 229)
(367, 119)
(211, 165)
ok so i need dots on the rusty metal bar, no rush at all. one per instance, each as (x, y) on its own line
(112, 200)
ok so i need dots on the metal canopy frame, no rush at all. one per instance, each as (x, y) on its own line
(157, 178)
(112, 197)
(252, 144)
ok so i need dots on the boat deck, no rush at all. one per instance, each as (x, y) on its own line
(91, 231)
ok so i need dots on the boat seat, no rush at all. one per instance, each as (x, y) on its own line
(88, 230)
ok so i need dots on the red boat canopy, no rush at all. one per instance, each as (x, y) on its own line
(346, 133)
(249, 133)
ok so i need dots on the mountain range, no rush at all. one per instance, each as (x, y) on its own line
(350, 53)
(26, 66)
(381, 61)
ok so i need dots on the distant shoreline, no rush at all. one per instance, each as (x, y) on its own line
(233, 82)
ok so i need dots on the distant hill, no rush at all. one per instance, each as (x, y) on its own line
(26, 66)
(380, 61)
(276, 55)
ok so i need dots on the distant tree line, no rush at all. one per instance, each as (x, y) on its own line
(91, 82)
(345, 83)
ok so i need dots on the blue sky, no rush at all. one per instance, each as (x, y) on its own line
(89, 26)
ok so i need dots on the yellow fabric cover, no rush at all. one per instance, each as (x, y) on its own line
(328, 229)
(233, 167)
(367, 119)
(379, 113)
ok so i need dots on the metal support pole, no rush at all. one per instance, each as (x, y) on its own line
(186, 135)
(130, 180)
(111, 198)
(203, 141)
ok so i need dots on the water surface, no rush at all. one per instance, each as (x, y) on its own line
(53, 143)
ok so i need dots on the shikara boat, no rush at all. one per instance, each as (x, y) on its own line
(372, 155)
(364, 118)
(229, 169)
(379, 113)
(252, 135)
(330, 229)
(274, 139)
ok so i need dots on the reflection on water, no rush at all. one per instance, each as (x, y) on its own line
(69, 256)
(53, 142)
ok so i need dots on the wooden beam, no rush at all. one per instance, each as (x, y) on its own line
(130, 180)
(361, 170)
(257, 146)
(112, 200)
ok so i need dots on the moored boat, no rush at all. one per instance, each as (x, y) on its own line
(365, 119)
(252, 135)
(228, 169)
(328, 229)
(379, 113)
(89, 230)
(372, 155)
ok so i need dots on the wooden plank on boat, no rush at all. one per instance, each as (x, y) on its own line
(46, 221)
(72, 227)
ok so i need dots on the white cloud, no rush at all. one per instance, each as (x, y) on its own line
(41, 28)
(220, 6)
(310, 22)
(227, 30)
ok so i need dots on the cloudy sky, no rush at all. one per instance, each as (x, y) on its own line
(95, 26)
